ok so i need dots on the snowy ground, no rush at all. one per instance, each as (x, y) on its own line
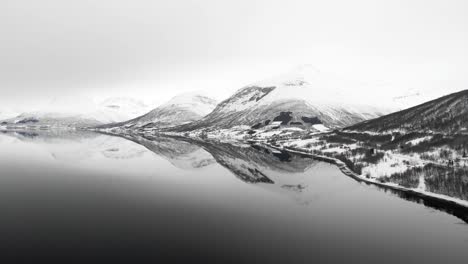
(391, 163)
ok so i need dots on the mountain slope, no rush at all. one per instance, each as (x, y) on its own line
(179, 110)
(448, 114)
(304, 98)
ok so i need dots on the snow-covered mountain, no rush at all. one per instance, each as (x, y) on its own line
(59, 112)
(448, 114)
(77, 112)
(181, 109)
(304, 97)
(51, 120)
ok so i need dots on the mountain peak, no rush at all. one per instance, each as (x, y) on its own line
(180, 109)
(308, 83)
(302, 97)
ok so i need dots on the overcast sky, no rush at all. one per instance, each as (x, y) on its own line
(155, 49)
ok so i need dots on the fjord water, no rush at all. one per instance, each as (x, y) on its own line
(71, 194)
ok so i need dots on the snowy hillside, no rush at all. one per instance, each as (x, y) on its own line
(447, 114)
(304, 97)
(181, 109)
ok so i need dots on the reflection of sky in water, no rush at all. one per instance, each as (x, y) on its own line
(176, 197)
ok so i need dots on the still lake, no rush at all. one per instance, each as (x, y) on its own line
(87, 194)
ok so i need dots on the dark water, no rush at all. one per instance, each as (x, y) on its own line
(73, 196)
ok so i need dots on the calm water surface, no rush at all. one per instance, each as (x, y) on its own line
(99, 196)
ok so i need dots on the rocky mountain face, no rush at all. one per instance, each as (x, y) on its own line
(448, 114)
(302, 98)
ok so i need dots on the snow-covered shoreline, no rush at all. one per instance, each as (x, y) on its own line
(361, 178)
(419, 193)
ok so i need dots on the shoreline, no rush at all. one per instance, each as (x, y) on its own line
(438, 198)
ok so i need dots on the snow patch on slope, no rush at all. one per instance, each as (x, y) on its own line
(320, 128)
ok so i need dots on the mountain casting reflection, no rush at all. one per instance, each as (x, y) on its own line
(298, 177)
(292, 174)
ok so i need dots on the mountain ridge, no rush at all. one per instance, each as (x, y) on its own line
(294, 99)
(447, 114)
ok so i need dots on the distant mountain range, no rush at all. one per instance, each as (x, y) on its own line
(304, 97)
(448, 114)
(50, 120)
(78, 113)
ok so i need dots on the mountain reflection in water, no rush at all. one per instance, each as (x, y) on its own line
(196, 199)
(251, 163)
